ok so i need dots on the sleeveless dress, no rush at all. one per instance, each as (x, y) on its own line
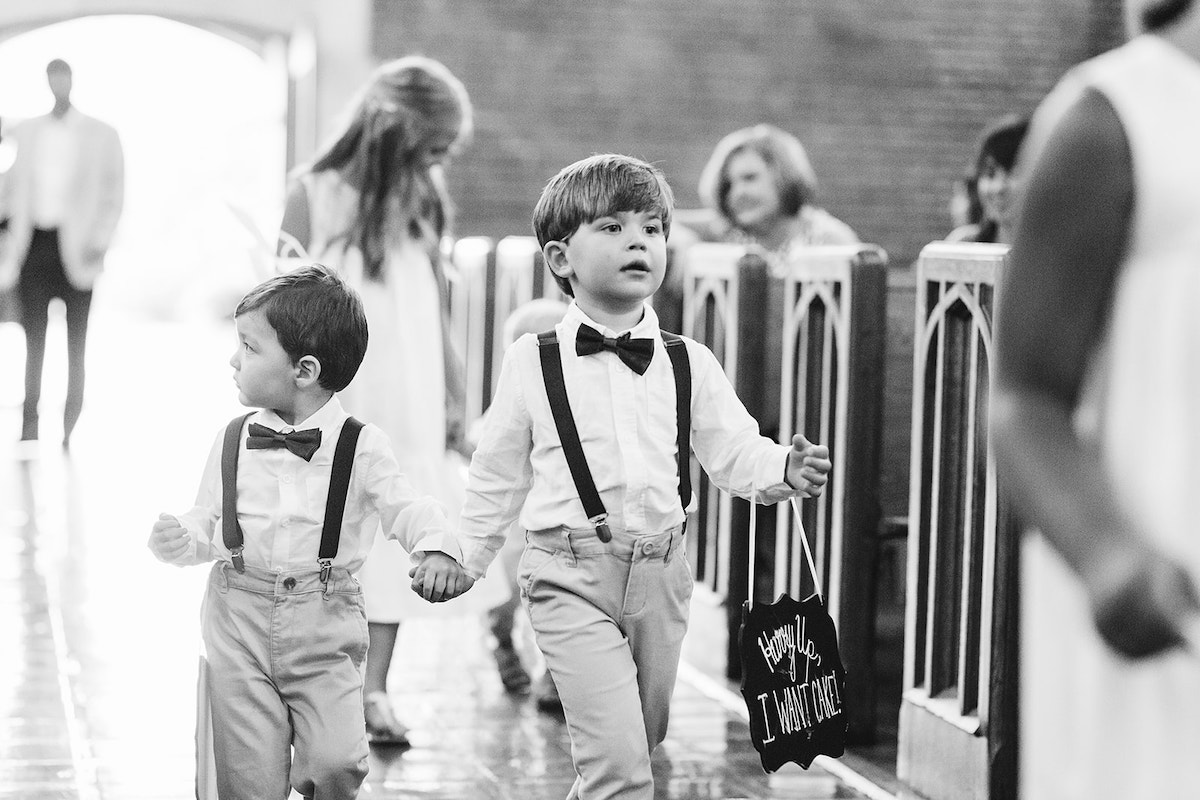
(401, 385)
(1094, 725)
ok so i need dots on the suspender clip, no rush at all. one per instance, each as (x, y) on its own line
(326, 565)
(602, 531)
(239, 563)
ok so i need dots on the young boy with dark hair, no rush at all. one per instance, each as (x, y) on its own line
(288, 507)
(589, 448)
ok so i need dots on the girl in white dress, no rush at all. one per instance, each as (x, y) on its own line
(1096, 422)
(373, 204)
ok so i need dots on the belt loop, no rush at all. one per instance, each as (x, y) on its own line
(566, 534)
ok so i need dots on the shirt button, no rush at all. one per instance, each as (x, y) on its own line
(648, 548)
(286, 479)
(289, 583)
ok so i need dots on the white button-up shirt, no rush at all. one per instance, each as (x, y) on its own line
(55, 152)
(281, 501)
(627, 428)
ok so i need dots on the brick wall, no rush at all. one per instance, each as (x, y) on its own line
(887, 95)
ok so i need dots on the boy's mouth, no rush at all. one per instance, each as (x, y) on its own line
(636, 266)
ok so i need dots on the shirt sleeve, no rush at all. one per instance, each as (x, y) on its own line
(501, 472)
(726, 438)
(201, 521)
(417, 521)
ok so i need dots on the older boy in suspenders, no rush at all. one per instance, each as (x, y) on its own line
(589, 448)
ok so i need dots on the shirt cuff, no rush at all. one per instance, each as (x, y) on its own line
(438, 542)
(476, 557)
(773, 486)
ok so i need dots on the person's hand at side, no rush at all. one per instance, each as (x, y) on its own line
(438, 577)
(168, 539)
(1142, 601)
(808, 466)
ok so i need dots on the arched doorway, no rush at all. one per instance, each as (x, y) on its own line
(202, 120)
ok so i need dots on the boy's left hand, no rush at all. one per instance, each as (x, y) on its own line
(808, 466)
(438, 578)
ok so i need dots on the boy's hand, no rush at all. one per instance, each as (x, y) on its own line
(808, 466)
(168, 539)
(438, 578)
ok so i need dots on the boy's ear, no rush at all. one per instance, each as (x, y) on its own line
(555, 253)
(308, 371)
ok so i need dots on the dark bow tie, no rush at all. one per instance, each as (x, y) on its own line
(303, 443)
(636, 353)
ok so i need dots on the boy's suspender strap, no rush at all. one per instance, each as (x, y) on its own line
(339, 487)
(231, 531)
(568, 434)
(677, 350)
(335, 502)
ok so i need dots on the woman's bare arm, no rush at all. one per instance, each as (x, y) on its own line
(1053, 306)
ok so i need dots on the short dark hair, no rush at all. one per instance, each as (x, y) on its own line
(1162, 13)
(314, 312)
(1001, 142)
(594, 187)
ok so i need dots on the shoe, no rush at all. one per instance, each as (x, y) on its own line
(546, 695)
(382, 726)
(512, 673)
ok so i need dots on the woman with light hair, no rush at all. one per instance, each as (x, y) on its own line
(759, 187)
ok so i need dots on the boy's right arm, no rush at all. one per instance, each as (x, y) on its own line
(501, 473)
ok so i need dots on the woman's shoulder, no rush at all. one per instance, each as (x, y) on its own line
(325, 182)
(820, 227)
(701, 224)
(331, 200)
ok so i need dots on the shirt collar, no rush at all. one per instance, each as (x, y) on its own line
(70, 119)
(647, 327)
(323, 418)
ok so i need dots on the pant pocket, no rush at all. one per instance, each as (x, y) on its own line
(533, 561)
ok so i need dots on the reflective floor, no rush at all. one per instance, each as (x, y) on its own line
(99, 642)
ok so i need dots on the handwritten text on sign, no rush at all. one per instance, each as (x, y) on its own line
(793, 681)
(800, 704)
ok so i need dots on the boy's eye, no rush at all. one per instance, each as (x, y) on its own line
(654, 229)
(611, 227)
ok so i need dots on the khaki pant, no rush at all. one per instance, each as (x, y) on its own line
(609, 619)
(285, 660)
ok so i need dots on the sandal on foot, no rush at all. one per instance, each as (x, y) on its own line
(512, 673)
(382, 726)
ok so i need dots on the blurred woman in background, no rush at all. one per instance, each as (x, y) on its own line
(759, 187)
(993, 183)
(373, 204)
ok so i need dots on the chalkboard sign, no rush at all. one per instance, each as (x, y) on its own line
(793, 681)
